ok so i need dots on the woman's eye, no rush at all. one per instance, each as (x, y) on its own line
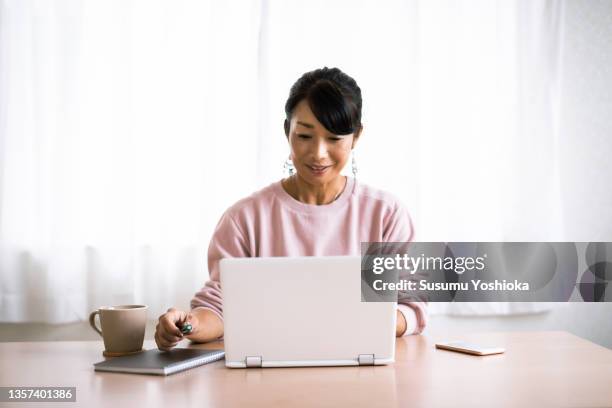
(334, 139)
(304, 136)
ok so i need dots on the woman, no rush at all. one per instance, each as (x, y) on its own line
(315, 211)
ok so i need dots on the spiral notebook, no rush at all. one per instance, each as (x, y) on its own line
(160, 362)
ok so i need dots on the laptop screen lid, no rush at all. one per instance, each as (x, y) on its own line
(302, 311)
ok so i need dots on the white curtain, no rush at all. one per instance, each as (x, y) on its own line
(128, 127)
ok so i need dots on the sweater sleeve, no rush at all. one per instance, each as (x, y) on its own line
(227, 241)
(399, 228)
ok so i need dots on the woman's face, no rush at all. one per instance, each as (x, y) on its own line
(317, 154)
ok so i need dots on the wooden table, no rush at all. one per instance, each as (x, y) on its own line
(539, 369)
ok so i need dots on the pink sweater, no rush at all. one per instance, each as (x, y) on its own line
(272, 223)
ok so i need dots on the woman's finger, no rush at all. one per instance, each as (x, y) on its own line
(169, 338)
(161, 344)
(159, 331)
(169, 326)
(166, 342)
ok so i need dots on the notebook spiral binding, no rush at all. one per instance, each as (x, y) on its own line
(185, 366)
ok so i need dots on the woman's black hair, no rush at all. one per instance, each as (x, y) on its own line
(333, 97)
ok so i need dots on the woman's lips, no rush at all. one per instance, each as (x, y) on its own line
(318, 170)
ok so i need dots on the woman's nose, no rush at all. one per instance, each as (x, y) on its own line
(320, 149)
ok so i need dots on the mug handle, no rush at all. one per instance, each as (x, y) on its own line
(92, 321)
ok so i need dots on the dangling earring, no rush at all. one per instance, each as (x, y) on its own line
(289, 167)
(354, 165)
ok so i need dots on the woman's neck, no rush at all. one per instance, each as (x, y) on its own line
(314, 194)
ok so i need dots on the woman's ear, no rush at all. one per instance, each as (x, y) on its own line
(356, 136)
(286, 126)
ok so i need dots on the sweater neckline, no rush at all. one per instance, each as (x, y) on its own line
(291, 202)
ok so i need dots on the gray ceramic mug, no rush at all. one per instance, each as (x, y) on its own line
(122, 327)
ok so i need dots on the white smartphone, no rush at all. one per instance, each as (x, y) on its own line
(469, 348)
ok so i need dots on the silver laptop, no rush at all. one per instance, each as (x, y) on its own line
(302, 311)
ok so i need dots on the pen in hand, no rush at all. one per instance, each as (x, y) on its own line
(185, 327)
(173, 327)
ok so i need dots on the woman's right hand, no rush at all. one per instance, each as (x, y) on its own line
(167, 332)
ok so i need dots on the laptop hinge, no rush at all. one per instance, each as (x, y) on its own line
(366, 359)
(253, 361)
